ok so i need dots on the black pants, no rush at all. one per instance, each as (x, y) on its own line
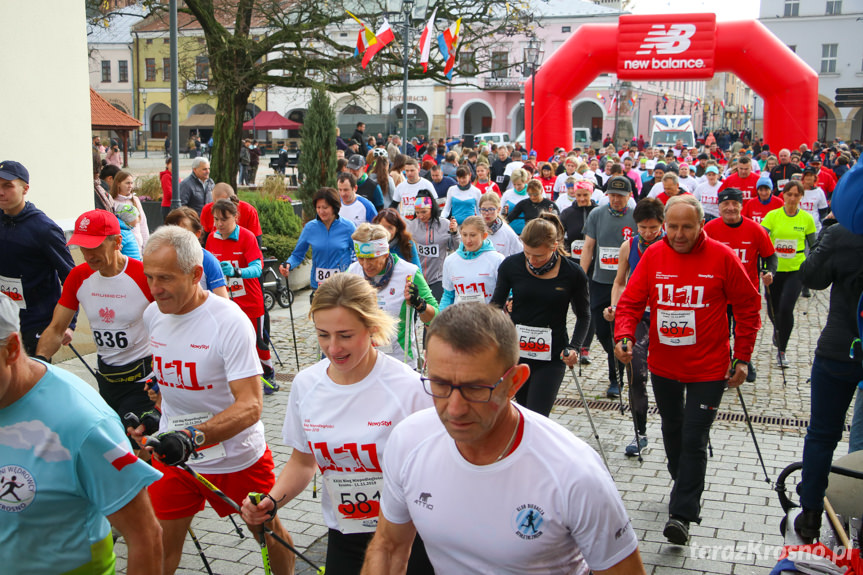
(30, 339)
(783, 294)
(687, 411)
(600, 298)
(540, 390)
(164, 211)
(346, 553)
(638, 386)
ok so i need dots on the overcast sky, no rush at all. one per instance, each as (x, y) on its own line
(725, 9)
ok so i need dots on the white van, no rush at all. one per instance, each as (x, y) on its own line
(492, 137)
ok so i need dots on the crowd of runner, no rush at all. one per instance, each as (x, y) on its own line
(441, 279)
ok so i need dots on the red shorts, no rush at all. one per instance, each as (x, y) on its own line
(178, 494)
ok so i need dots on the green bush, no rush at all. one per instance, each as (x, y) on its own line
(149, 188)
(277, 217)
(279, 247)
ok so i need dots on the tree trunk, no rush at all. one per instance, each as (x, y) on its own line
(227, 135)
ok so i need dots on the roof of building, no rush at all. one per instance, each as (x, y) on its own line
(117, 28)
(564, 8)
(104, 116)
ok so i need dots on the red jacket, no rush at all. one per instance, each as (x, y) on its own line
(166, 181)
(688, 295)
(748, 240)
(756, 211)
(247, 217)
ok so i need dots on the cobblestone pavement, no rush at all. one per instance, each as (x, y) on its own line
(739, 532)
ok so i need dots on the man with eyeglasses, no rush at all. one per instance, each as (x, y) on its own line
(539, 500)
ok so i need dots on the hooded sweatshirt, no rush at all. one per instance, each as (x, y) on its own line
(35, 256)
(469, 276)
(129, 247)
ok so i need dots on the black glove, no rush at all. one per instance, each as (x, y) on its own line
(149, 419)
(416, 301)
(172, 447)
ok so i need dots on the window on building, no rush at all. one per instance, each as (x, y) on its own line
(149, 41)
(166, 40)
(160, 125)
(123, 71)
(467, 64)
(792, 8)
(202, 67)
(566, 29)
(150, 69)
(106, 70)
(834, 7)
(166, 69)
(499, 64)
(828, 58)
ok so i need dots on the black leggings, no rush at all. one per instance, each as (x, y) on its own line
(346, 553)
(783, 294)
(638, 387)
(600, 298)
(540, 390)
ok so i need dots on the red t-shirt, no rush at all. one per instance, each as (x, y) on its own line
(748, 240)
(756, 211)
(548, 187)
(663, 197)
(748, 185)
(247, 217)
(487, 187)
(246, 292)
(166, 179)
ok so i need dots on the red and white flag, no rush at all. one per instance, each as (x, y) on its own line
(120, 456)
(383, 37)
(426, 40)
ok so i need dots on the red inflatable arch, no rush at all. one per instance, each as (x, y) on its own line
(677, 47)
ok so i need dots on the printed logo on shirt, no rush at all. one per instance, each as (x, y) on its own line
(107, 315)
(626, 233)
(619, 533)
(119, 456)
(662, 276)
(527, 520)
(423, 501)
(381, 423)
(17, 488)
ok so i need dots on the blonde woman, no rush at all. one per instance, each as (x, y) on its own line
(400, 285)
(339, 417)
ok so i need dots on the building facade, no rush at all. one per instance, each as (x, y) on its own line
(826, 34)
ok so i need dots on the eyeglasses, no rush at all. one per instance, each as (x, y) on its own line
(471, 393)
(488, 210)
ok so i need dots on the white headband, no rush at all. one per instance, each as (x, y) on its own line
(372, 248)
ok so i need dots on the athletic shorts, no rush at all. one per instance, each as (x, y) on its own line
(178, 494)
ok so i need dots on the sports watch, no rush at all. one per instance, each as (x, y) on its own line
(196, 435)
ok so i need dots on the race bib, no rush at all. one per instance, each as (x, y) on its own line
(780, 184)
(428, 251)
(785, 248)
(577, 248)
(676, 327)
(322, 274)
(356, 500)
(13, 288)
(469, 297)
(202, 454)
(534, 342)
(608, 258)
(236, 287)
(407, 208)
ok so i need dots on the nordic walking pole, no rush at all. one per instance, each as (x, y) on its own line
(752, 432)
(237, 527)
(200, 551)
(90, 369)
(773, 315)
(265, 553)
(587, 410)
(294, 333)
(625, 344)
(273, 347)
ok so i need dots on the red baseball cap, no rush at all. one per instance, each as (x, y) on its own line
(91, 228)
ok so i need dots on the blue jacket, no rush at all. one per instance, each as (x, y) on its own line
(331, 249)
(129, 247)
(34, 251)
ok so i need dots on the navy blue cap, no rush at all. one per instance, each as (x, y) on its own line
(12, 170)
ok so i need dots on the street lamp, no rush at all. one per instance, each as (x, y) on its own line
(146, 139)
(407, 9)
(533, 53)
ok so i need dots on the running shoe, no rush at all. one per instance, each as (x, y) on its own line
(632, 449)
(270, 385)
(585, 356)
(613, 391)
(750, 377)
(783, 360)
(676, 531)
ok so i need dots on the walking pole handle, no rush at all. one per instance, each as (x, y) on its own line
(624, 344)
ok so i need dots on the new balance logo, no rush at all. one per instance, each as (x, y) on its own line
(674, 40)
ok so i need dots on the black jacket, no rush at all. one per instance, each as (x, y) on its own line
(835, 259)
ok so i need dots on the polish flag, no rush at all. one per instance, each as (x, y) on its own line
(120, 456)
(425, 41)
(383, 37)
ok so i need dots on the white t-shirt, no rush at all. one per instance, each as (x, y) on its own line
(560, 182)
(358, 211)
(812, 201)
(708, 196)
(509, 169)
(406, 194)
(471, 278)
(459, 202)
(688, 183)
(506, 241)
(346, 428)
(563, 201)
(549, 507)
(114, 306)
(195, 355)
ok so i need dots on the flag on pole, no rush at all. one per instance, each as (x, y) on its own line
(665, 98)
(447, 42)
(697, 102)
(744, 109)
(722, 103)
(383, 37)
(600, 97)
(632, 100)
(365, 38)
(612, 102)
(425, 41)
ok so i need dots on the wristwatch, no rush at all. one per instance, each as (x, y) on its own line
(196, 435)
